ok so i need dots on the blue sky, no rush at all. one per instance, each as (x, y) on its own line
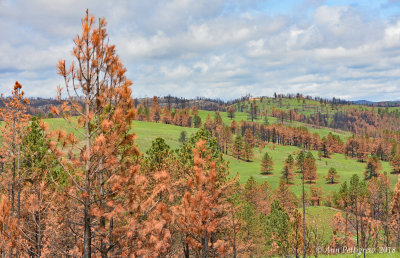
(219, 48)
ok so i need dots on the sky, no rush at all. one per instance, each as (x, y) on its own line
(218, 49)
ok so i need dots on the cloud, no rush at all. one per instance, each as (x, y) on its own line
(221, 48)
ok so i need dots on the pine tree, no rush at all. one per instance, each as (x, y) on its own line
(285, 196)
(156, 110)
(182, 137)
(287, 171)
(267, 165)
(395, 216)
(296, 236)
(325, 148)
(300, 161)
(231, 112)
(342, 236)
(98, 170)
(237, 147)
(278, 229)
(40, 181)
(316, 194)
(201, 211)
(158, 154)
(247, 152)
(16, 119)
(395, 158)
(310, 168)
(373, 167)
(332, 176)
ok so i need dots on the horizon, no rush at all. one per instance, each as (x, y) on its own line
(223, 49)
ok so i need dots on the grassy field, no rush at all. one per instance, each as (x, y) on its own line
(148, 131)
(239, 116)
(307, 107)
(345, 167)
(320, 217)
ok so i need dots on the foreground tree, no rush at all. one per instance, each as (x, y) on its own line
(108, 157)
(395, 216)
(15, 117)
(342, 236)
(278, 230)
(201, 212)
(38, 193)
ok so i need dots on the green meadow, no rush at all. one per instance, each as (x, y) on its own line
(148, 131)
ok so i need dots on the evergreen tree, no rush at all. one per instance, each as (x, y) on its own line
(231, 112)
(395, 216)
(395, 158)
(197, 121)
(237, 147)
(310, 168)
(324, 148)
(373, 167)
(157, 154)
(278, 229)
(332, 176)
(300, 161)
(247, 151)
(287, 171)
(182, 137)
(267, 164)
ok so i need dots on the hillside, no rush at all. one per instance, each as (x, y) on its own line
(148, 131)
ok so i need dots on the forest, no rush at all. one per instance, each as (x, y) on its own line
(96, 173)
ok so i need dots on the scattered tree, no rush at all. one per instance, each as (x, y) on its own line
(267, 165)
(332, 176)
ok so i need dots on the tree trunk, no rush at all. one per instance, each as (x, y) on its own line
(204, 251)
(87, 238)
(186, 250)
(111, 236)
(357, 229)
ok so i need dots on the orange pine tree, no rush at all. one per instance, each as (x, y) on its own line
(97, 169)
(310, 168)
(395, 216)
(156, 110)
(201, 212)
(342, 236)
(16, 120)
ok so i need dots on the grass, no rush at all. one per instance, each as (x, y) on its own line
(239, 116)
(345, 167)
(320, 217)
(148, 131)
(308, 107)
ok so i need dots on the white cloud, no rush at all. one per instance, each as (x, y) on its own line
(179, 72)
(222, 48)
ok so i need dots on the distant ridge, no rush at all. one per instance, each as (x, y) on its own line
(377, 103)
(363, 102)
